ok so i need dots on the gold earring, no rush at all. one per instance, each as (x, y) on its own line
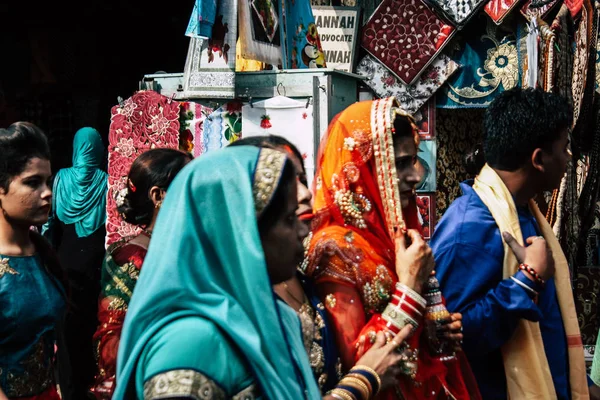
(158, 204)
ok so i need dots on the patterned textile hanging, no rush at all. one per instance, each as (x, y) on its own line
(547, 56)
(301, 42)
(210, 66)
(499, 9)
(583, 89)
(583, 132)
(145, 121)
(589, 205)
(489, 63)
(535, 9)
(570, 223)
(563, 29)
(588, 202)
(260, 28)
(411, 97)
(191, 130)
(457, 131)
(414, 24)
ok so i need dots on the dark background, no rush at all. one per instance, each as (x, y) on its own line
(63, 63)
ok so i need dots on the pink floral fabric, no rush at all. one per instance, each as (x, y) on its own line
(145, 121)
(405, 36)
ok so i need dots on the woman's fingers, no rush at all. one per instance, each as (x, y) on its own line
(399, 338)
(379, 340)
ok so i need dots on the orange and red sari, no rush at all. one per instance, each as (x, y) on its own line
(351, 255)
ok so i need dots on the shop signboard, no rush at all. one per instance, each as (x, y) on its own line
(338, 31)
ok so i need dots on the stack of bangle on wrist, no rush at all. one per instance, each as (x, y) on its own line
(533, 273)
(361, 383)
(406, 307)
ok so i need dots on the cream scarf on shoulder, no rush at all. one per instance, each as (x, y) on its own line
(526, 366)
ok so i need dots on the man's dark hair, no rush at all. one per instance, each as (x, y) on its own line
(520, 121)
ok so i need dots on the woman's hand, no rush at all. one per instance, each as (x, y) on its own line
(537, 255)
(414, 262)
(385, 358)
(2, 395)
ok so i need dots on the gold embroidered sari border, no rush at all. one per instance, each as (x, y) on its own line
(382, 115)
(269, 169)
(192, 384)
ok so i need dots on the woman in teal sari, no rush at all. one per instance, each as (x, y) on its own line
(203, 322)
(76, 230)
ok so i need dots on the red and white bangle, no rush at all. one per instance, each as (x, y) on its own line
(406, 307)
(403, 289)
(532, 272)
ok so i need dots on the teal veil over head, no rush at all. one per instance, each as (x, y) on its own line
(80, 191)
(206, 261)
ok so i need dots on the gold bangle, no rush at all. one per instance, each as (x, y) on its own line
(362, 378)
(370, 370)
(343, 394)
(357, 384)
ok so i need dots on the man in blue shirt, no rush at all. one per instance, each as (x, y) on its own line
(526, 143)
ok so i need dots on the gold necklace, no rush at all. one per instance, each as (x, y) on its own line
(301, 302)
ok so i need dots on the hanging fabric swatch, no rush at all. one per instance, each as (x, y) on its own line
(597, 84)
(458, 12)
(405, 36)
(202, 19)
(580, 61)
(426, 166)
(302, 46)
(489, 67)
(145, 121)
(530, 10)
(222, 127)
(547, 54)
(411, 97)
(532, 54)
(563, 30)
(583, 131)
(245, 65)
(499, 9)
(589, 205)
(426, 215)
(261, 30)
(457, 133)
(575, 7)
(425, 118)
(210, 66)
(288, 118)
(191, 127)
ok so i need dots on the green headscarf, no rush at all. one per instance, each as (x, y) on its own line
(206, 261)
(80, 191)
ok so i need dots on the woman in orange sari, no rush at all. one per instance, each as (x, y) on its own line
(371, 266)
